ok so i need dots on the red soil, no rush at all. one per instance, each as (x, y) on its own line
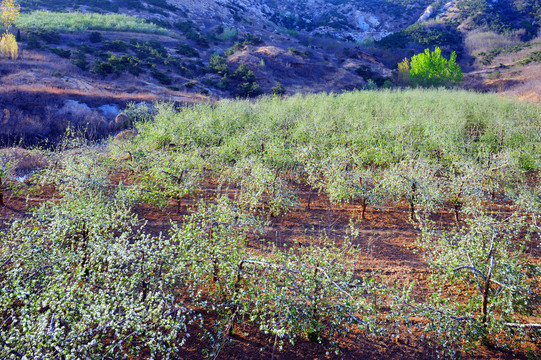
(386, 235)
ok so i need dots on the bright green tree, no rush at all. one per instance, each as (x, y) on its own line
(432, 69)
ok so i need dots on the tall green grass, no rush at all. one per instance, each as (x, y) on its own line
(77, 22)
(378, 127)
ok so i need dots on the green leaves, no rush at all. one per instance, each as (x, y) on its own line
(83, 277)
(432, 69)
(487, 258)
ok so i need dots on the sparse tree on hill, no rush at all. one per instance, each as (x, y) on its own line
(9, 11)
(8, 46)
(404, 72)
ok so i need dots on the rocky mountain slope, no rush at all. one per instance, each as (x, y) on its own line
(357, 20)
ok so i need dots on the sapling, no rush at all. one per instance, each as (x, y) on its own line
(6, 169)
(344, 183)
(487, 257)
(262, 189)
(461, 186)
(2, 186)
(415, 181)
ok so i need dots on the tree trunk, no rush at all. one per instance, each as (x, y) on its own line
(457, 207)
(412, 201)
(364, 204)
(484, 305)
(309, 199)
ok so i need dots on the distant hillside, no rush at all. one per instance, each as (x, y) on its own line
(109, 53)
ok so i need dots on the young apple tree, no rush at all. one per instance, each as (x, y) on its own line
(484, 279)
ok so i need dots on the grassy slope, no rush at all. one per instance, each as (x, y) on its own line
(383, 126)
(77, 22)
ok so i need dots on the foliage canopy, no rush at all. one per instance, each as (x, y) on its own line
(10, 10)
(8, 46)
(432, 69)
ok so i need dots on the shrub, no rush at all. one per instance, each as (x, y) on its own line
(149, 49)
(191, 32)
(61, 52)
(218, 64)
(33, 42)
(295, 51)
(47, 35)
(432, 69)
(80, 60)
(102, 68)
(248, 89)
(423, 35)
(87, 49)
(366, 72)
(187, 50)
(278, 89)
(95, 37)
(227, 34)
(116, 45)
(161, 77)
(532, 57)
(117, 65)
(251, 39)
(8, 46)
(237, 47)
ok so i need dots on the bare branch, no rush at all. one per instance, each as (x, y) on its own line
(335, 284)
(6, 262)
(457, 318)
(518, 325)
(482, 275)
(472, 268)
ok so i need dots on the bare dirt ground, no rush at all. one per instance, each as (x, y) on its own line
(386, 236)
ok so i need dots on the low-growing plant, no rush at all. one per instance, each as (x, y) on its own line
(95, 37)
(6, 170)
(64, 53)
(78, 22)
(187, 50)
(161, 77)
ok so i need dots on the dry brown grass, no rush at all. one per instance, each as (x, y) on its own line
(482, 40)
(528, 85)
(35, 99)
